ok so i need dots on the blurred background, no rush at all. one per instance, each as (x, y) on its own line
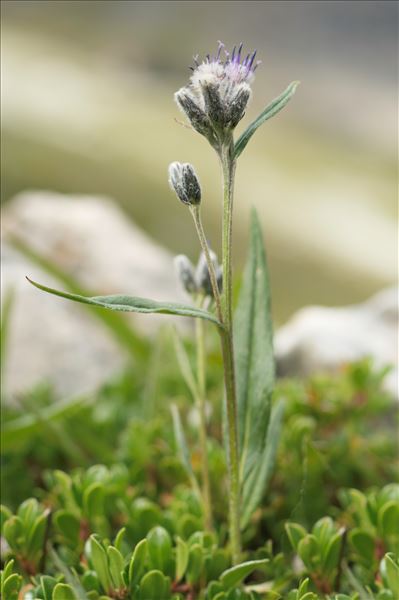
(88, 109)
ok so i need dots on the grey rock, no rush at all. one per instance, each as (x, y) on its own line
(52, 339)
(323, 339)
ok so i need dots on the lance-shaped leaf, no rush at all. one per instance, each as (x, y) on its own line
(132, 304)
(255, 484)
(253, 335)
(254, 360)
(271, 109)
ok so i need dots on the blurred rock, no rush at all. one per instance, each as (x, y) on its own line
(323, 339)
(90, 239)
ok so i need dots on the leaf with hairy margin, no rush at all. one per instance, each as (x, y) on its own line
(254, 361)
(255, 485)
(132, 304)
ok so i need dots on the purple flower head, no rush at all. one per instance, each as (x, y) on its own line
(218, 92)
(228, 70)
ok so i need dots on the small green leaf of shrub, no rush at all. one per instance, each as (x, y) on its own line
(99, 561)
(116, 567)
(295, 533)
(159, 549)
(137, 562)
(195, 563)
(237, 574)
(10, 582)
(390, 573)
(62, 591)
(181, 558)
(68, 525)
(154, 586)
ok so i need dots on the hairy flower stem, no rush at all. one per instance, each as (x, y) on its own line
(224, 314)
(201, 400)
(195, 211)
(228, 169)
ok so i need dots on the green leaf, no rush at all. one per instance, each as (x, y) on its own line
(93, 500)
(216, 563)
(182, 448)
(27, 512)
(8, 569)
(214, 588)
(220, 596)
(364, 544)
(90, 581)
(36, 536)
(388, 519)
(195, 564)
(254, 361)
(181, 558)
(48, 584)
(115, 323)
(92, 595)
(295, 533)
(70, 577)
(68, 524)
(116, 566)
(119, 539)
(323, 529)
(132, 304)
(309, 551)
(331, 553)
(154, 586)
(137, 562)
(11, 586)
(5, 514)
(254, 487)
(236, 574)
(271, 109)
(100, 563)
(13, 531)
(62, 591)
(159, 548)
(392, 573)
(303, 588)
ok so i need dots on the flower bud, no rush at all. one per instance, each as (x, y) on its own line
(202, 276)
(184, 181)
(238, 104)
(197, 117)
(213, 103)
(185, 273)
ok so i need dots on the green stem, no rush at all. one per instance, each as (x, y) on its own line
(228, 168)
(224, 314)
(195, 211)
(201, 401)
